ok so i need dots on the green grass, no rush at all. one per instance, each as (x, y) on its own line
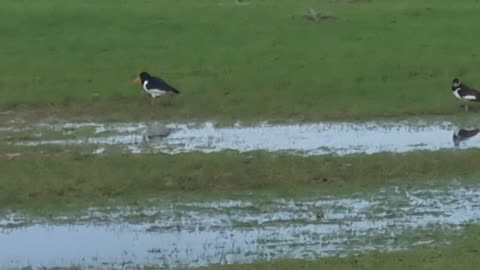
(256, 61)
(69, 179)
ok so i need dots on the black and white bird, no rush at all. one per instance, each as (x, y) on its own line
(464, 92)
(463, 134)
(154, 86)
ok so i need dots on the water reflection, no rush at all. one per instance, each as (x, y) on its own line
(463, 134)
(308, 139)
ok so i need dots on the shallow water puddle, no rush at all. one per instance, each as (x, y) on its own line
(178, 233)
(304, 139)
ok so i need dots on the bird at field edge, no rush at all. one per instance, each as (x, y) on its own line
(154, 86)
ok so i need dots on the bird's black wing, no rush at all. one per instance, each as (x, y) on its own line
(160, 84)
(468, 92)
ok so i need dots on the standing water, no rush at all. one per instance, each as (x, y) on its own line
(181, 233)
(304, 139)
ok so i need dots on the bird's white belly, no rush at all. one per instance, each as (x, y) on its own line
(153, 92)
(455, 93)
(156, 92)
(464, 98)
(145, 86)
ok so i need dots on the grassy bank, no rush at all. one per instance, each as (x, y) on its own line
(255, 60)
(461, 255)
(59, 179)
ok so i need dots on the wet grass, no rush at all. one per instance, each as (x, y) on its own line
(461, 254)
(254, 61)
(58, 179)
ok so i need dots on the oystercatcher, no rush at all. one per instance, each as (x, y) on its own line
(154, 86)
(464, 92)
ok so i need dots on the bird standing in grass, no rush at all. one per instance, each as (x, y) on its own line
(464, 92)
(154, 86)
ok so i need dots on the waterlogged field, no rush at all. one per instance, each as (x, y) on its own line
(307, 135)
(249, 228)
(129, 195)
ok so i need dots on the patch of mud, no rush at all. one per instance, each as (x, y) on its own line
(303, 139)
(180, 233)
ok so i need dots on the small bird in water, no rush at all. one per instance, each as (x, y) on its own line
(464, 92)
(463, 134)
(154, 86)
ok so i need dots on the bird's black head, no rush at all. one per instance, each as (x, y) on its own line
(144, 76)
(456, 83)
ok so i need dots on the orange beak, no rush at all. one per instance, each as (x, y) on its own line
(136, 80)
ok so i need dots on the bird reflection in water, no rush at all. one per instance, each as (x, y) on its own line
(463, 134)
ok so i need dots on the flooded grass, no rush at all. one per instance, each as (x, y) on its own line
(188, 233)
(460, 255)
(129, 210)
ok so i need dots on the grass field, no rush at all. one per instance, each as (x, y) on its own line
(247, 61)
(79, 180)
(250, 61)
